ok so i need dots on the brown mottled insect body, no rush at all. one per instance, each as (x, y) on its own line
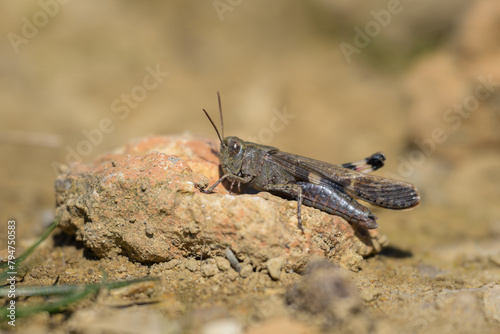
(327, 187)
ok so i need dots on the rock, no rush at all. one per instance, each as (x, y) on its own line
(369, 294)
(222, 263)
(326, 292)
(223, 326)
(171, 264)
(209, 268)
(233, 274)
(191, 265)
(491, 302)
(246, 270)
(144, 201)
(117, 320)
(283, 325)
(274, 266)
(233, 261)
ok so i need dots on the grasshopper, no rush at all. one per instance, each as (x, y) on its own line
(327, 187)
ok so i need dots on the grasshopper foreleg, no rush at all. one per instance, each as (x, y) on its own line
(233, 178)
(211, 189)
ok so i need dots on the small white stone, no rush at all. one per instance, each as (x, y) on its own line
(274, 266)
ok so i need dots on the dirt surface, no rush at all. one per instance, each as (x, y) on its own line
(90, 77)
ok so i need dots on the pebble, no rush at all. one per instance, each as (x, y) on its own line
(232, 259)
(171, 264)
(246, 270)
(491, 302)
(209, 268)
(233, 274)
(274, 266)
(369, 294)
(327, 290)
(222, 263)
(223, 326)
(150, 231)
(191, 265)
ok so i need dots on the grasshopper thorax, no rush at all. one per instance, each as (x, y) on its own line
(232, 151)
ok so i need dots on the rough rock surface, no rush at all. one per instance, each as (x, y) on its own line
(327, 292)
(143, 201)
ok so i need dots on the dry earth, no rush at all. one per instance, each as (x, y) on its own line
(425, 90)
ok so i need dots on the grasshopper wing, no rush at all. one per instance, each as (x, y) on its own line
(387, 193)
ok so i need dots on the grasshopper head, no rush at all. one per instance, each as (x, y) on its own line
(232, 150)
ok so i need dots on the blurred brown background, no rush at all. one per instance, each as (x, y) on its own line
(356, 78)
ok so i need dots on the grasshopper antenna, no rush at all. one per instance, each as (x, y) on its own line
(213, 124)
(220, 111)
(221, 119)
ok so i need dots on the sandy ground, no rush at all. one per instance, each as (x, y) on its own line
(82, 78)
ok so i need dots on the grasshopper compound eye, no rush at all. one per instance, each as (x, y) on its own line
(234, 148)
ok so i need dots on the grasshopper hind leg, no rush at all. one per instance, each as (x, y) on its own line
(336, 202)
(293, 190)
